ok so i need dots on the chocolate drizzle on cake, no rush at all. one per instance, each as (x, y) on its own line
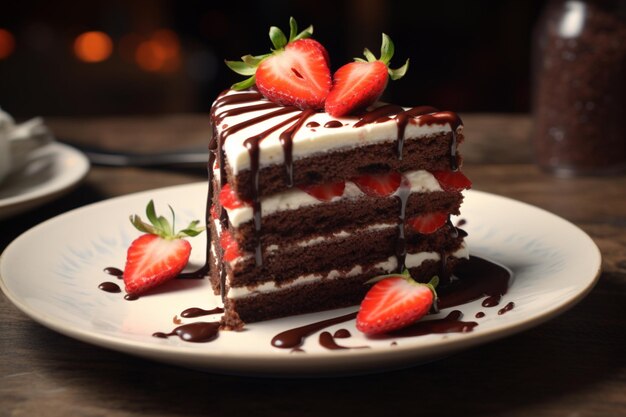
(286, 140)
(419, 115)
(402, 194)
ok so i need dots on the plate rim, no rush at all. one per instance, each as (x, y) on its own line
(59, 150)
(261, 362)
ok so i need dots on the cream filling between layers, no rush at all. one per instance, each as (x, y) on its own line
(308, 141)
(412, 260)
(295, 198)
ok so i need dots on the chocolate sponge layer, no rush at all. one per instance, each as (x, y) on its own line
(290, 260)
(431, 153)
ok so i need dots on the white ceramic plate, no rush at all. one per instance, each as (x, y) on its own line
(48, 173)
(52, 273)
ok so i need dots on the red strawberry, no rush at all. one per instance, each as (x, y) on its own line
(158, 255)
(228, 198)
(298, 76)
(379, 185)
(230, 246)
(358, 84)
(325, 192)
(296, 73)
(428, 223)
(452, 180)
(395, 302)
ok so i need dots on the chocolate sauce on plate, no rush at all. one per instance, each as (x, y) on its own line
(342, 334)
(110, 287)
(450, 324)
(199, 332)
(116, 272)
(506, 308)
(199, 312)
(327, 340)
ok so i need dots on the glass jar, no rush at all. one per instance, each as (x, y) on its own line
(579, 87)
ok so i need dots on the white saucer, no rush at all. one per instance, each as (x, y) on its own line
(52, 273)
(49, 172)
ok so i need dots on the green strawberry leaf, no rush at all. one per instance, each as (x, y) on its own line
(386, 49)
(398, 73)
(278, 38)
(161, 226)
(245, 84)
(241, 67)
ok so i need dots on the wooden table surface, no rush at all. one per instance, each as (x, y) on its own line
(573, 365)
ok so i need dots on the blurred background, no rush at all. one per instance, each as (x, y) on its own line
(117, 57)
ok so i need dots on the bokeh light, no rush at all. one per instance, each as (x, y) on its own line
(7, 43)
(159, 53)
(93, 46)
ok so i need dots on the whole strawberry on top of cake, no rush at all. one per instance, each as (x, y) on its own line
(316, 187)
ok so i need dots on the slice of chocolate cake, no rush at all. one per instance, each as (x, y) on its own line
(306, 207)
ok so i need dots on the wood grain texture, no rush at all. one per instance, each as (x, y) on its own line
(574, 365)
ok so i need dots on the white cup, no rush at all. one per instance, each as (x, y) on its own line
(17, 141)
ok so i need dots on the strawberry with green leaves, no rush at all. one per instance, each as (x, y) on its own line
(395, 301)
(358, 84)
(160, 254)
(295, 73)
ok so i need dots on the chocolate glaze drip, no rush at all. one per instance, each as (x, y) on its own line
(242, 110)
(403, 193)
(252, 144)
(445, 117)
(110, 287)
(193, 332)
(333, 124)
(111, 270)
(286, 140)
(402, 119)
(199, 312)
(450, 324)
(379, 114)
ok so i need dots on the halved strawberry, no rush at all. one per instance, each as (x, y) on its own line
(229, 245)
(428, 223)
(379, 185)
(228, 198)
(325, 192)
(158, 255)
(395, 301)
(358, 84)
(452, 180)
(296, 73)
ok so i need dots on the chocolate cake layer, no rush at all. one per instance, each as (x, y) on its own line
(286, 226)
(431, 153)
(317, 296)
(291, 260)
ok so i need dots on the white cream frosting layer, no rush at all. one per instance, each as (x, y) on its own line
(412, 260)
(307, 141)
(419, 181)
